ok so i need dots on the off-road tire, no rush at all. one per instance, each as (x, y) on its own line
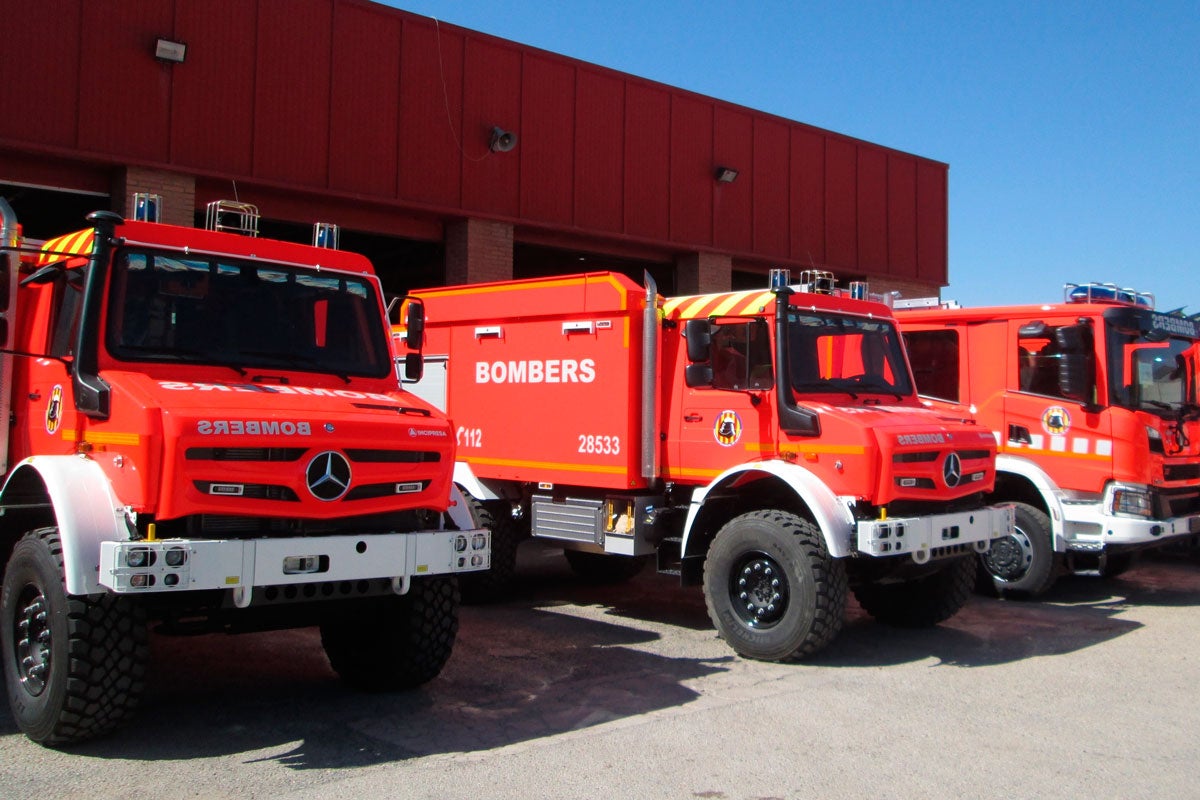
(604, 568)
(1023, 565)
(496, 582)
(795, 593)
(392, 643)
(923, 602)
(74, 666)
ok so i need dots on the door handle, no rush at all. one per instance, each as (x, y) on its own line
(1019, 433)
(692, 418)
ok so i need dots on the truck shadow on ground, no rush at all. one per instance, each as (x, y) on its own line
(559, 657)
(517, 674)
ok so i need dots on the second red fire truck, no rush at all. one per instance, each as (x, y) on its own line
(1093, 402)
(768, 445)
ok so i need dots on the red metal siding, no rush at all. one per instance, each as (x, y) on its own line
(691, 196)
(124, 93)
(30, 67)
(221, 55)
(841, 206)
(872, 209)
(599, 157)
(366, 87)
(291, 122)
(733, 147)
(808, 197)
(341, 102)
(902, 216)
(431, 117)
(931, 222)
(647, 161)
(769, 180)
(546, 146)
(491, 97)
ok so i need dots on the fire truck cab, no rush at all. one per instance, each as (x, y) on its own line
(1093, 403)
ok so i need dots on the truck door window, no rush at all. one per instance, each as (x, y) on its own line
(741, 356)
(68, 302)
(1056, 360)
(934, 358)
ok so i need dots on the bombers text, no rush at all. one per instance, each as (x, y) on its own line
(554, 370)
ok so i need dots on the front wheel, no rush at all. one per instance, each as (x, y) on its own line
(74, 666)
(392, 643)
(772, 590)
(1023, 564)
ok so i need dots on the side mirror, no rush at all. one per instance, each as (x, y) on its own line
(696, 375)
(415, 325)
(414, 367)
(1076, 376)
(698, 335)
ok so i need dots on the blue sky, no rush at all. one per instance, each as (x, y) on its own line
(1072, 129)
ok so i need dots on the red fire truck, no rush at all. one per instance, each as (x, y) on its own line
(206, 431)
(1093, 402)
(767, 444)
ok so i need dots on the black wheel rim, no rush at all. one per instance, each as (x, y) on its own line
(758, 590)
(1009, 559)
(31, 640)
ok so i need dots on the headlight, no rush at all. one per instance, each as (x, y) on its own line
(1132, 500)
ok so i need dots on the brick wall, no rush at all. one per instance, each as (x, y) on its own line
(178, 193)
(700, 273)
(478, 251)
(907, 289)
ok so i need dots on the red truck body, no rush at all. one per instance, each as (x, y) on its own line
(1093, 402)
(207, 430)
(624, 424)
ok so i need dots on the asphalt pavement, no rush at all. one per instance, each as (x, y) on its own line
(574, 691)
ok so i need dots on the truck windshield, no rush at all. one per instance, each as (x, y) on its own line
(1152, 373)
(171, 307)
(836, 353)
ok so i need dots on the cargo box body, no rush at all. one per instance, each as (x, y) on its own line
(544, 377)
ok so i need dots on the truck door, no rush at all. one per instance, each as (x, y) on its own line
(51, 418)
(1049, 410)
(729, 422)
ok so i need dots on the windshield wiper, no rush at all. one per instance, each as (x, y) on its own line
(182, 354)
(299, 361)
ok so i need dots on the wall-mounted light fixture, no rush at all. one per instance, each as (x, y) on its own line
(171, 52)
(502, 141)
(725, 174)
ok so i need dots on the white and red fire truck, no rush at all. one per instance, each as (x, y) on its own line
(767, 444)
(1093, 402)
(205, 431)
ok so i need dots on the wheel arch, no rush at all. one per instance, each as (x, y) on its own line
(1019, 480)
(763, 485)
(73, 494)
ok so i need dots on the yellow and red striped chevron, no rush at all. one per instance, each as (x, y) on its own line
(63, 248)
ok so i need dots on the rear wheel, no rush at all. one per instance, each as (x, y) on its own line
(74, 666)
(494, 583)
(772, 590)
(392, 643)
(1024, 563)
(922, 602)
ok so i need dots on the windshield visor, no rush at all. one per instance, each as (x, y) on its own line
(835, 353)
(218, 310)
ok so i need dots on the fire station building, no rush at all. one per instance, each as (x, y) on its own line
(443, 154)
